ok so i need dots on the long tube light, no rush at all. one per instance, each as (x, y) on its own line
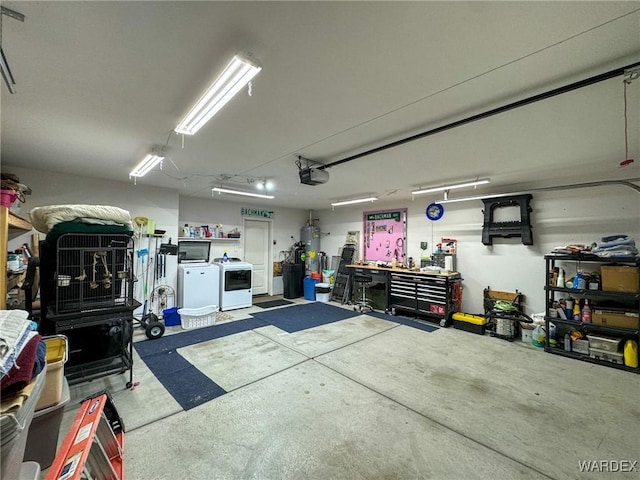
(351, 202)
(450, 187)
(235, 76)
(146, 165)
(239, 192)
(625, 183)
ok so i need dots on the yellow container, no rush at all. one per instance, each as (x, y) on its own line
(57, 353)
(631, 354)
(470, 323)
(469, 318)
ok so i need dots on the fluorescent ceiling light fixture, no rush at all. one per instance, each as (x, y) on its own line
(146, 165)
(239, 192)
(351, 202)
(235, 76)
(449, 187)
(489, 195)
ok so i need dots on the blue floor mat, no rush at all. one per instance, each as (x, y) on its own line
(186, 384)
(301, 317)
(190, 387)
(198, 335)
(404, 321)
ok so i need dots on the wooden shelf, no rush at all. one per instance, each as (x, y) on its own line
(210, 239)
(9, 223)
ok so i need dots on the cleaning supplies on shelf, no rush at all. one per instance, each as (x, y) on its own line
(576, 311)
(568, 307)
(586, 312)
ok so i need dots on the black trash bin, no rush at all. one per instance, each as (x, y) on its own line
(292, 277)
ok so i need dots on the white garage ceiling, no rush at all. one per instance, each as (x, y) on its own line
(100, 84)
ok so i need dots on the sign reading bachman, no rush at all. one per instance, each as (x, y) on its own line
(251, 212)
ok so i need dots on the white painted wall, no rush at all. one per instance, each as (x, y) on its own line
(558, 218)
(166, 207)
(286, 222)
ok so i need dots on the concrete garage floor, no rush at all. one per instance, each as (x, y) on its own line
(366, 398)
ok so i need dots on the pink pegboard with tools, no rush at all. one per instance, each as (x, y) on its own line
(385, 235)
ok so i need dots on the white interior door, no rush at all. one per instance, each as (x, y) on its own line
(256, 252)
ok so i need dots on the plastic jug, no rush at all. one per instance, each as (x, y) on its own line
(631, 354)
(538, 336)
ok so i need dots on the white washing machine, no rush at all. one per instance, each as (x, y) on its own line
(198, 280)
(235, 283)
(198, 285)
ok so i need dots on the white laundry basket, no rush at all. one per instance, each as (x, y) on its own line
(198, 317)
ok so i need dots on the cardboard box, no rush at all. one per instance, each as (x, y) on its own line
(615, 318)
(622, 278)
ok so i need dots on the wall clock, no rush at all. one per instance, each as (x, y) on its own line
(435, 211)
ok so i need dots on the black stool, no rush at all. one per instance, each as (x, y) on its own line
(363, 305)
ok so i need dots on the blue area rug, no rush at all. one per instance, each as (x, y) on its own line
(301, 317)
(404, 321)
(186, 384)
(190, 387)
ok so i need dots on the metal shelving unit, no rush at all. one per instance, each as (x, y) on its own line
(628, 301)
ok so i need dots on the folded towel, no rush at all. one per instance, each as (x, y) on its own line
(22, 372)
(626, 241)
(611, 238)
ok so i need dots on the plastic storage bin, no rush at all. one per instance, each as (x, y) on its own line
(580, 346)
(198, 317)
(14, 427)
(607, 344)
(57, 355)
(171, 317)
(42, 441)
(613, 357)
(29, 471)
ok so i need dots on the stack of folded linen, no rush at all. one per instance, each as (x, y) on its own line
(22, 352)
(571, 248)
(622, 246)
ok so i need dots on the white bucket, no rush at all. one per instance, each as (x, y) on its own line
(323, 292)
(323, 297)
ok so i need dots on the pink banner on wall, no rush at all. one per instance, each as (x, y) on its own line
(384, 235)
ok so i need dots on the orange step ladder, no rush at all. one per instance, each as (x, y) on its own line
(93, 446)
